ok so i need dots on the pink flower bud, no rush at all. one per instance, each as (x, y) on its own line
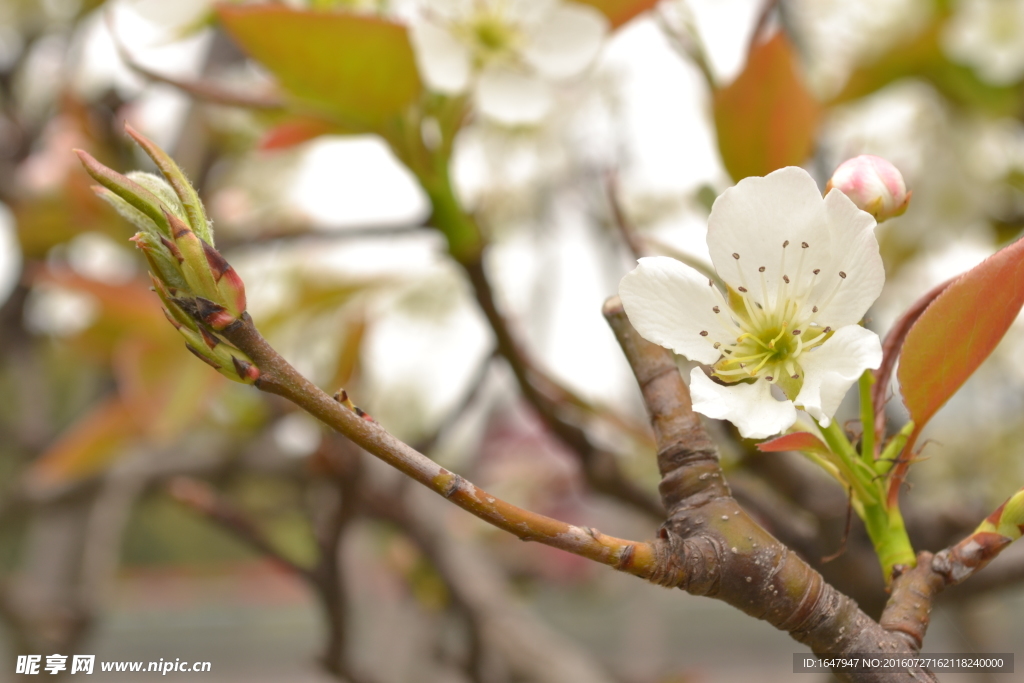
(874, 185)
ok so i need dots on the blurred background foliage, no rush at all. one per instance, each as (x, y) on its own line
(374, 222)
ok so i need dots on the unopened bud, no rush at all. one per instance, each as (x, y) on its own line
(219, 354)
(195, 282)
(874, 185)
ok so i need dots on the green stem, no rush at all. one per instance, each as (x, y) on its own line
(888, 534)
(867, 418)
(884, 524)
(847, 462)
(464, 241)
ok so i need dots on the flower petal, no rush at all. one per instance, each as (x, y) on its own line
(566, 42)
(751, 407)
(754, 219)
(526, 13)
(832, 368)
(512, 97)
(444, 61)
(671, 304)
(855, 255)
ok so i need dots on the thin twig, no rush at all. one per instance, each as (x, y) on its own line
(204, 499)
(277, 376)
(600, 466)
(201, 89)
(619, 217)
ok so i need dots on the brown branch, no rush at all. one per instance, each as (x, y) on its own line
(202, 89)
(507, 636)
(1007, 572)
(204, 499)
(763, 20)
(600, 466)
(329, 574)
(626, 228)
(908, 610)
(709, 546)
(277, 376)
(719, 551)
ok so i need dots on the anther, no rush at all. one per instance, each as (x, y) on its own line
(785, 278)
(796, 333)
(827, 330)
(703, 333)
(735, 255)
(761, 269)
(785, 244)
(716, 309)
(795, 377)
(804, 245)
(816, 271)
(814, 309)
(770, 378)
(718, 344)
(842, 274)
(743, 289)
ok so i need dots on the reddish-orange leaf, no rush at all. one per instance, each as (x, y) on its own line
(797, 441)
(766, 118)
(295, 131)
(620, 11)
(959, 330)
(359, 68)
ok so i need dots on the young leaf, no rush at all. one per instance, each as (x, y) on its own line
(959, 330)
(359, 68)
(86, 448)
(797, 441)
(296, 130)
(766, 118)
(620, 11)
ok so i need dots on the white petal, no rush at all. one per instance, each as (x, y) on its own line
(670, 303)
(832, 368)
(512, 97)
(751, 407)
(855, 254)
(755, 218)
(444, 61)
(566, 42)
(527, 13)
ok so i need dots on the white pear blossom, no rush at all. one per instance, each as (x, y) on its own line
(510, 53)
(800, 273)
(989, 36)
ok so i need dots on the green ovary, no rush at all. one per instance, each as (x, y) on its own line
(490, 35)
(769, 348)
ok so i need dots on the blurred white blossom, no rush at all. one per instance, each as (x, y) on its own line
(510, 53)
(989, 36)
(838, 36)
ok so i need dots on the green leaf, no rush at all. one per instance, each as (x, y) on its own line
(766, 118)
(620, 11)
(360, 69)
(959, 330)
